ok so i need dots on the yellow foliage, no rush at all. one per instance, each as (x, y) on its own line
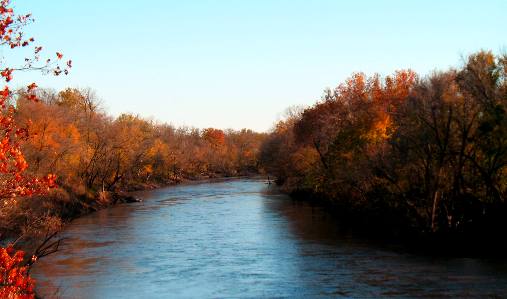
(381, 130)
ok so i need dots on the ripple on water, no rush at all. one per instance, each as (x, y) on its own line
(243, 239)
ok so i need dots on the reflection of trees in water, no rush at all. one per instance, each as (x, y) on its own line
(251, 237)
(306, 221)
(346, 263)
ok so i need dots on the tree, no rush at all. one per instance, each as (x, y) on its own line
(432, 151)
(215, 137)
(14, 182)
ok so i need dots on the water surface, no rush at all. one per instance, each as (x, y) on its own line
(242, 239)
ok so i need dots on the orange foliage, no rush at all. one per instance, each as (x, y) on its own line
(12, 162)
(14, 279)
(214, 136)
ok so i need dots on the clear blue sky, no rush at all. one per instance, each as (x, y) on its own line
(235, 64)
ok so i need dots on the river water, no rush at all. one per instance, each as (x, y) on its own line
(243, 239)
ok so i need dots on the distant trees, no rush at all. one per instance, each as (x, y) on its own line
(96, 155)
(433, 149)
(88, 148)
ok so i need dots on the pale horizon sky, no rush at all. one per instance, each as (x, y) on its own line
(239, 64)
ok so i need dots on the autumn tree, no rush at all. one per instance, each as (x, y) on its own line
(432, 150)
(215, 137)
(14, 181)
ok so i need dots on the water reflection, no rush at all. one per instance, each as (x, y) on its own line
(241, 239)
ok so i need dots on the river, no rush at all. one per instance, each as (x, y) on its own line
(243, 239)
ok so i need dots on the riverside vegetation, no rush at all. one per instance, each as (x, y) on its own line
(95, 156)
(418, 156)
(411, 155)
(98, 157)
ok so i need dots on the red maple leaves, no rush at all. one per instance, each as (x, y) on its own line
(12, 162)
(14, 279)
(6, 74)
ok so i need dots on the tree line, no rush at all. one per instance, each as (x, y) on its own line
(422, 154)
(73, 137)
(95, 155)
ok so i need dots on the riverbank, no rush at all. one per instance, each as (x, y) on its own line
(105, 199)
(32, 220)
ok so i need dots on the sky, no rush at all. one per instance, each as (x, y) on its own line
(240, 64)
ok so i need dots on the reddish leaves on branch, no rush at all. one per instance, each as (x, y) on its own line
(12, 36)
(14, 279)
(31, 87)
(12, 162)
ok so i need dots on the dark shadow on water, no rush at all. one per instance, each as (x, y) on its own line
(242, 238)
(379, 266)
